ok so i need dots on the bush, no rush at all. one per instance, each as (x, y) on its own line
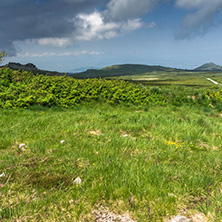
(24, 89)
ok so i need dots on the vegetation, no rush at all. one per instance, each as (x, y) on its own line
(2, 54)
(152, 151)
(122, 70)
(24, 89)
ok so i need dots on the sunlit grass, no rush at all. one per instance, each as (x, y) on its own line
(154, 162)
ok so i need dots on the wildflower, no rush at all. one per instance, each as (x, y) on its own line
(62, 141)
(176, 144)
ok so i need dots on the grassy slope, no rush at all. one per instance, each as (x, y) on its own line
(122, 157)
(122, 70)
(209, 66)
(198, 79)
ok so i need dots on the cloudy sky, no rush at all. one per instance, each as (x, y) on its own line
(65, 35)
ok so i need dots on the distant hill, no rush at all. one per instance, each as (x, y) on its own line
(111, 71)
(209, 67)
(82, 69)
(126, 69)
(30, 67)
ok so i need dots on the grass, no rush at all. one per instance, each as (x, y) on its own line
(153, 162)
(194, 79)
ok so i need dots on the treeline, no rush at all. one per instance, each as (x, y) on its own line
(24, 89)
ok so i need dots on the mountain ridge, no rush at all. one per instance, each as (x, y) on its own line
(114, 70)
(125, 69)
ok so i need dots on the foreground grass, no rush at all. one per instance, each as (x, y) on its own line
(153, 162)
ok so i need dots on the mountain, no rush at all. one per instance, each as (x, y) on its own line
(81, 69)
(111, 71)
(209, 67)
(126, 69)
(31, 68)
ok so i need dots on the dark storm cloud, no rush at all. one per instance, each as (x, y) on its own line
(32, 19)
(71, 20)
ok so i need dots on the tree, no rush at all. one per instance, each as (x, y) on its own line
(2, 54)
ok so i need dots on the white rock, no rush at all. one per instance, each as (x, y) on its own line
(179, 218)
(2, 175)
(62, 141)
(172, 195)
(21, 145)
(77, 180)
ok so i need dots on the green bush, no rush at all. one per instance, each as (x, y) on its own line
(24, 89)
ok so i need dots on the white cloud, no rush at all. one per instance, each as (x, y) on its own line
(120, 16)
(191, 4)
(94, 26)
(150, 25)
(67, 53)
(57, 42)
(201, 19)
(132, 24)
(91, 26)
(118, 10)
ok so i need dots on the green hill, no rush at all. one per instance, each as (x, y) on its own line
(209, 67)
(121, 70)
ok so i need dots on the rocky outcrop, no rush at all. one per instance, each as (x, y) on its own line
(17, 66)
(31, 68)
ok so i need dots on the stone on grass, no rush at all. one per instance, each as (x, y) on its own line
(2, 175)
(77, 180)
(21, 145)
(180, 218)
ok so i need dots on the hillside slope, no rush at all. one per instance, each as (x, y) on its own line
(125, 69)
(209, 67)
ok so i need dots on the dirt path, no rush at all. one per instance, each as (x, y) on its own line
(213, 81)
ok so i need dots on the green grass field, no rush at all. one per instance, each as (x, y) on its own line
(153, 162)
(193, 79)
(151, 152)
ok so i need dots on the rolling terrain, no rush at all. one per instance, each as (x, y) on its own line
(145, 74)
(72, 149)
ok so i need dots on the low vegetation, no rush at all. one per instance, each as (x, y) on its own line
(24, 89)
(153, 152)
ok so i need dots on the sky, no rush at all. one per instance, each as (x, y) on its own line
(73, 35)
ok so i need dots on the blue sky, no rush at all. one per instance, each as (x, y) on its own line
(65, 35)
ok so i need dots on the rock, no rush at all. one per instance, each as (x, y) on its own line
(77, 181)
(2, 175)
(180, 218)
(17, 66)
(21, 145)
(172, 195)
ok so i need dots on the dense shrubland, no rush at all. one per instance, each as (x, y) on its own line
(24, 89)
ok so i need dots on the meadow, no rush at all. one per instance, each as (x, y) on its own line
(152, 152)
(196, 79)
